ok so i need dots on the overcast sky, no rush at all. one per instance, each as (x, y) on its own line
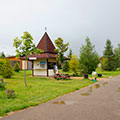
(73, 20)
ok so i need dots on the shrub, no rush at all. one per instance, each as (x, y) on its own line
(17, 67)
(2, 85)
(10, 93)
(1, 65)
(7, 70)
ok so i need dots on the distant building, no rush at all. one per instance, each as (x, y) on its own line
(21, 63)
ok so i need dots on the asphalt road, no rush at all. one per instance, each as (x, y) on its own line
(96, 102)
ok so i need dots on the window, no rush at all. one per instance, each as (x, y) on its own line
(42, 64)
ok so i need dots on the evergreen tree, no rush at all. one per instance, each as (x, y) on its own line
(89, 58)
(117, 56)
(70, 54)
(2, 55)
(109, 55)
(7, 70)
(66, 66)
(17, 67)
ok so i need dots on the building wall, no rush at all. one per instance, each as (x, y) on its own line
(38, 71)
(40, 67)
(21, 63)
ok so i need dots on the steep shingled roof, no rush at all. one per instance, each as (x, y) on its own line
(46, 44)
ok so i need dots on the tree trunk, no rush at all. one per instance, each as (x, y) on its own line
(25, 73)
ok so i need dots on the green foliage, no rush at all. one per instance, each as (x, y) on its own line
(61, 48)
(73, 63)
(70, 54)
(7, 70)
(89, 58)
(17, 67)
(2, 55)
(109, 62)
(25, 45)
(2, 85)
(1, 65)
(39, 90)
(117, 56)
(66, 67)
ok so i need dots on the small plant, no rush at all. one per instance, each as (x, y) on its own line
(17, 67)
(10, 93)
(2, 85)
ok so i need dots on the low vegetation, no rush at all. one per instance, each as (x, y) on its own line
(39, 90)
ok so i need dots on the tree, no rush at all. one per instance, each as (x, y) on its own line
(117, 56)
(17, 67)
(66, 66)
(70, 54)
(7, 70)
(61, 48)
(73, 63)
(89, 58)
(25, 47)
(2, 55)
(109, 55)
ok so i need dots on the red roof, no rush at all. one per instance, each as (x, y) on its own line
(44, 55)
(46, 44)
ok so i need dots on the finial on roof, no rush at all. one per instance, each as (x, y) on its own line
(45, 29)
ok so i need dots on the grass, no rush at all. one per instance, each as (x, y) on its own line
(39, 90)
(105, 74)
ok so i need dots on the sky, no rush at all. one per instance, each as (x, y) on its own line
(72, 20)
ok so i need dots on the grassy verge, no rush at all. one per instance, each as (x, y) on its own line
(39, 90)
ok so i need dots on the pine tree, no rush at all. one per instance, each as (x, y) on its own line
(66, 66)
(117, 56)
(2, 55)
(109, 55)
(89, 58)
(70, 54)
(17, 67)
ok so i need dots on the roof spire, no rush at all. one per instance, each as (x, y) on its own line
(45, 29)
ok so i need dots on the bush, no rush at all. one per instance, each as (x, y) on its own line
(10, 93)
(2, 85)
(7, 70)
(17, 67)
(66, 67)
(1, 65)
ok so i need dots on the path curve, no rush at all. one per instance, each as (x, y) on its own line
(96, 102)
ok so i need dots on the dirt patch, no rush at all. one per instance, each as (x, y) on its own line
(85, 94)
(64, 102)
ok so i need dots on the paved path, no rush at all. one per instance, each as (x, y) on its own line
(91, 103)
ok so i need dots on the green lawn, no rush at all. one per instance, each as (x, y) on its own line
(105, 74)
(39, 90)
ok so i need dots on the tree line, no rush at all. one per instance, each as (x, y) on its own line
(89, 59)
